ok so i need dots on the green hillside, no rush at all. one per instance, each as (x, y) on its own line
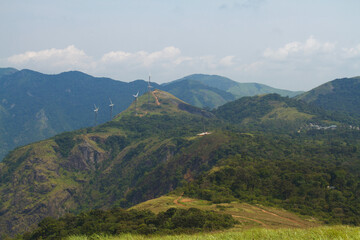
(273, 113)
(35, 106)
(198, 94)
(339, 95)
(237, 89)
(97, 167)
(154, 148)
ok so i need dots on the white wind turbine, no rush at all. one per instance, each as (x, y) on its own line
(111, 108)
(136, 96)
(96, 110)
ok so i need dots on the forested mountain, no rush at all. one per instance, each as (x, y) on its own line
(154, 148)
(340, 95)
(273, 113)
(35, 106)
(237, 89)
(198, 93)
(7, 71)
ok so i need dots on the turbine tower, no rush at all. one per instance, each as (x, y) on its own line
(136, 96)
(149, 89)
(96, 109)
(111, 108)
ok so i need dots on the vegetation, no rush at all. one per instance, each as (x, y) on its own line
(273, 113)
(319, 233)
(237, 89)
(119, 221)
(36, 106)
(317, 177)
(154, 149)
(341, 95)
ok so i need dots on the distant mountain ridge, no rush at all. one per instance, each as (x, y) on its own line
(35, 106)
(341, 95)
(237, 89)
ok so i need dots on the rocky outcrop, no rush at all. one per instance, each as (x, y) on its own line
(86, 157)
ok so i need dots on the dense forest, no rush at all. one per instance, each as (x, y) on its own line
(118, 221)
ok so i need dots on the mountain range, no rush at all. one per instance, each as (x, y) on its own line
(159, 146)
(35, 106)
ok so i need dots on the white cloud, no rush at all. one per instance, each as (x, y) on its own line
(70, 56)
(118, 63)
(227, 61)
(351, 52)
(251, 67)
(289, 66)
(310, 47)
(171, 53)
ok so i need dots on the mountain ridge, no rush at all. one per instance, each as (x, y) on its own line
(35, 106)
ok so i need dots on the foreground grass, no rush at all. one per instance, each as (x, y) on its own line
(334, 232)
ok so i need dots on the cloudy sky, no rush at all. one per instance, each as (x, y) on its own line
(288, 44)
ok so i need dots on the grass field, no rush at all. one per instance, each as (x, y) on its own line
(255, 222)
(248, 216)
(318, 233)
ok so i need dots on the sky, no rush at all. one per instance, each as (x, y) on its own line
(288, 44)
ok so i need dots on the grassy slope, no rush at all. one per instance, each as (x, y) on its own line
(249, 216)
(318, 233)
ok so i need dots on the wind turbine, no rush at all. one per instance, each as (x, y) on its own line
(136, 96)
(96, 109)
(111, 108)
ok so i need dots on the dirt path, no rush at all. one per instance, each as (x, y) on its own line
(274, 214)
(176, 201)
(251, 219)
(156, 99)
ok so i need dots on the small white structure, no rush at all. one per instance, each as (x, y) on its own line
(203, 133)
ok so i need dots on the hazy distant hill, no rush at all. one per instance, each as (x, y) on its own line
(198, 94)
(7, 71)
(340, 95)
(236, 88)
(35, 106)
(274, 113)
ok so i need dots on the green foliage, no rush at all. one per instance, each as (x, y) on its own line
(318, 233)
(66, 142)
(273, 113)
(116, 221)
(340, 95)
(318, 176)
(37, 106)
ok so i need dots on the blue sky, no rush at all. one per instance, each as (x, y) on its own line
(288, 44)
